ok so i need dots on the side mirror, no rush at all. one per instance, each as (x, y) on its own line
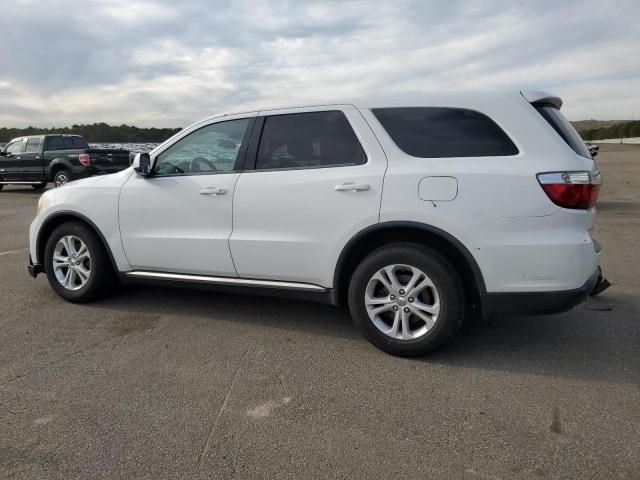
(142, 164)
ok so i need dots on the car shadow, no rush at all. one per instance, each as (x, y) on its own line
(592, 342)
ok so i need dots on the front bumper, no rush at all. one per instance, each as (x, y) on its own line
(537, 303)
(34, 268)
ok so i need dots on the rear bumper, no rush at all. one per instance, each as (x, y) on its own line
(34, 268)
(536, 303)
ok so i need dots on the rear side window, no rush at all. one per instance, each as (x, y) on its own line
(33, 145)
(560, 124)
(308, 140)
(436, 132)
(55, 143)
(79, 142)
(68, 143)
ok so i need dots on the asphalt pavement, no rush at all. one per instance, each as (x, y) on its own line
(167, 383)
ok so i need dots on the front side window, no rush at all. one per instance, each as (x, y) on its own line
(436, 132)
(15, 147)
(33, 145)
(308, 140)
(211, 149)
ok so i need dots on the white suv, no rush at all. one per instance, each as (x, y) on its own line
(411, 212)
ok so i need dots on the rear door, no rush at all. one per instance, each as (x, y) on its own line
(11, 161)
(32, 164)
(315, 180)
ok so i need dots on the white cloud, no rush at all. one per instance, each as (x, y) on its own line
(168, 63)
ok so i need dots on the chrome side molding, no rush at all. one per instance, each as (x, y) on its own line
(225, 281)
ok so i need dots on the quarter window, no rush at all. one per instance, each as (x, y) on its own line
(308, 140)
(435, 132)
(211, 149)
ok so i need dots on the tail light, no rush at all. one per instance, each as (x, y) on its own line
(578, 190)
(84, 159)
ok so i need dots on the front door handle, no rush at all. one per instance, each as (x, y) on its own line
(353, 187)
(213, 191)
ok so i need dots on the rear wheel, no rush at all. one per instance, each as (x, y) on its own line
(76, 263)
(406, 299)
(61, 177)
(39, 186)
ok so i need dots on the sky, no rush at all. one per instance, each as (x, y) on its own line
(170, 63)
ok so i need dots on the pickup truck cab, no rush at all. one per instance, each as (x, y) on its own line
(39, 159)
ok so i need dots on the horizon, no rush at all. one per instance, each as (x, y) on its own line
(160, 64)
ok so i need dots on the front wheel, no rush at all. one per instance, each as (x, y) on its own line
(77, 266)
(62, 177)
(406, 299)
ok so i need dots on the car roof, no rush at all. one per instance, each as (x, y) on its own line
(408, 99)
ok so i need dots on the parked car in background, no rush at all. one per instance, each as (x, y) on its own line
(38, 159)
(487, 205)
(593, 149)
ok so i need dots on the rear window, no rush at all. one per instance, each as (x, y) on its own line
(55, 143)
(564, 128)
(436, 132)
(79, 142)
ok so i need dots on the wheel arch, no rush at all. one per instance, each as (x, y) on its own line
(57, 219)
(385, 233)
(59, 164)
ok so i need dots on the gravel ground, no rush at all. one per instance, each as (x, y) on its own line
(159, 383)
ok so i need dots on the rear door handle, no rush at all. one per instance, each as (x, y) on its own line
(213, 191)
(353, 187)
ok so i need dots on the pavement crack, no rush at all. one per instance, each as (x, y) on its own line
(11, 252)
(216, 421)
(54, 362)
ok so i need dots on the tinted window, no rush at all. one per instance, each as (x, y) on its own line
(444, 132)
(33, 145)
(314, 139)
(561, 125)
(213, 148)
(68, 143)
(55, 143)
(79, 142)
(15, 147)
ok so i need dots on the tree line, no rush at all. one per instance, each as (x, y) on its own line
(621, 130)
(97, 132)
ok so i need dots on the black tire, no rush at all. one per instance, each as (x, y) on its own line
(39, 186)
(62, 177)
(101, 278)
(443, 275)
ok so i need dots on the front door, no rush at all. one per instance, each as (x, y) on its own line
(11, 161)
(179, 220)
(317, 181)
(32, 163)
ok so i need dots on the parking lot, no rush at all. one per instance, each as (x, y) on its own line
(161, 383)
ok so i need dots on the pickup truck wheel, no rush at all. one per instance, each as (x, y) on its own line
(406, 299)
(77, 266)
(39, 186)
(62, 177)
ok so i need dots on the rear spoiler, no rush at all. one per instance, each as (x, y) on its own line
(535, 96)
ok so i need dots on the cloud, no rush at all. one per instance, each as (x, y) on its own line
(168, 63)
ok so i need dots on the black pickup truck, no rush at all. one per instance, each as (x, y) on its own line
(39, 159)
